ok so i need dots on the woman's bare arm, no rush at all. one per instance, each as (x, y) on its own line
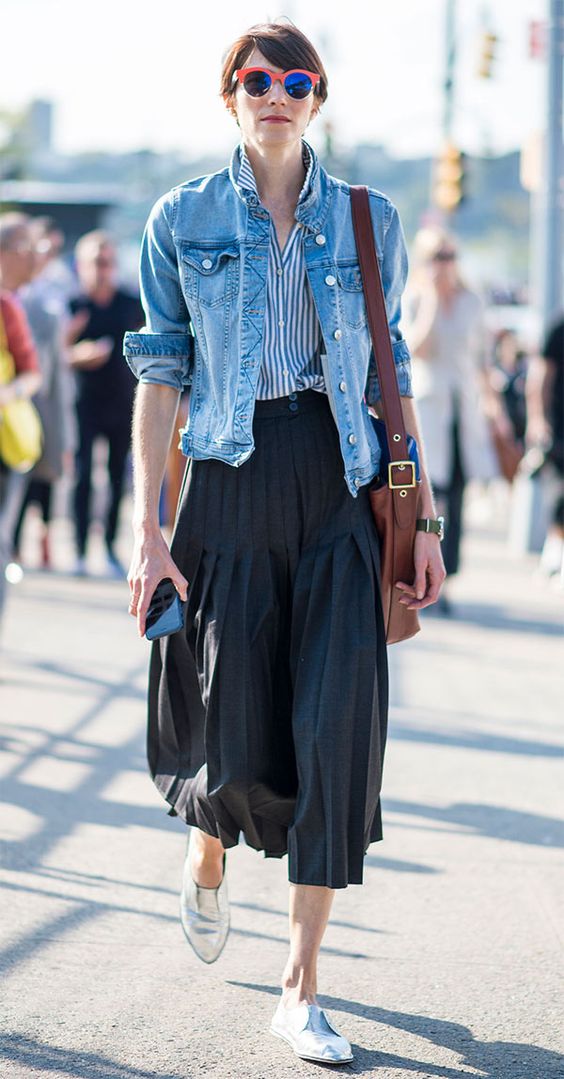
(429, 566)
(154, 417)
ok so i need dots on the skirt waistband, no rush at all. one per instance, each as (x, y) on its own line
(291, 404)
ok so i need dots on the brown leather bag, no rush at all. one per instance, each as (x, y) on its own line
(394, 498)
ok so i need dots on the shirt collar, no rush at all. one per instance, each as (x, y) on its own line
(246, 176)
(315, 196)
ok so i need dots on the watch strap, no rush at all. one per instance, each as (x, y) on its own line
(429, 524)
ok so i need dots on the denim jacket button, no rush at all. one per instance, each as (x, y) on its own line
(207, 264)
(330, 280)
(320, 239)
(337, 335)
(352, 439)
(357, 482)
(342, 386)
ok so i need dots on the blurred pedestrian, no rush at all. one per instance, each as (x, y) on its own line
(45, 315)
(55, 283)
(15, 253)
(444, 324)
(508, 376)
(268, 710)
(545, 433)
(104, 385)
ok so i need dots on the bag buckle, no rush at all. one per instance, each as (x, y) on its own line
(401, 465)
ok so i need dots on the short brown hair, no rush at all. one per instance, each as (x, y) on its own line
(90, 244)
(282, 44)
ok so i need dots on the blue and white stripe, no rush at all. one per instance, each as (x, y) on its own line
(292, 336)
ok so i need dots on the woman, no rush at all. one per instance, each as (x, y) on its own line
(15, 337)
(445, 326)
(45, 317)
(268, 715)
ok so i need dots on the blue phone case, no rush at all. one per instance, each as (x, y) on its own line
(166, 611)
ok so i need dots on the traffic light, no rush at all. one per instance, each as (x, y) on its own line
(537, 39)
(448, 186)
(488, 42)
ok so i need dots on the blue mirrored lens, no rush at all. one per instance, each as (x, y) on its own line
(298, 84)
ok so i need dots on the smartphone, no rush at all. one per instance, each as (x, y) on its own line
(166, 611)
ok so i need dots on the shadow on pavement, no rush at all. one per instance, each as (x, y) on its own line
(326, 949)
(84, 910)
(481, 819)
(59, 813)
(72, 1062)
(79, 678)
(97, 880)
(97, 593)
(490, 743)
(495, 617)
(284, 914)
(494, 1060)
(376, 861)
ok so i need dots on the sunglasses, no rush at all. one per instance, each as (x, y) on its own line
(256, 81)
(444, 256)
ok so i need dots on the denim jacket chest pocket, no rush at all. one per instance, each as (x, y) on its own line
(350, 294)
(210, 275)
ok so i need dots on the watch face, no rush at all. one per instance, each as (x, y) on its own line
(441, 521)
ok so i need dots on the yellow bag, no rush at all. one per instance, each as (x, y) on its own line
(21, 435)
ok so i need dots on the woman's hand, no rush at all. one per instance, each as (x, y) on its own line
(429, 573)
(150, 562)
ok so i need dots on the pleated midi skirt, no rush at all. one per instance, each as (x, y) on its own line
(268, 713)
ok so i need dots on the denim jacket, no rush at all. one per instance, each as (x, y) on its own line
(203, 275)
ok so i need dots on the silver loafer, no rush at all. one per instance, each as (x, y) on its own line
(309, 1032)
(204, 914)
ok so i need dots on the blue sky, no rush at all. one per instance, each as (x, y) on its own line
(126, 74)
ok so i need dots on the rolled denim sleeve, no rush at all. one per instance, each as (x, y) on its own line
(394, 275)
(163, 351)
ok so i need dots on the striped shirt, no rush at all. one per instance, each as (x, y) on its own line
(292, 337)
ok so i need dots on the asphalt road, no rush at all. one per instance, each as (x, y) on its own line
(447, 962)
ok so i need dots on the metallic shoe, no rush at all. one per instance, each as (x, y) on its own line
(204, 913)
(309, 1032)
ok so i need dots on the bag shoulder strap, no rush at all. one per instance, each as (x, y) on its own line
(378, 323)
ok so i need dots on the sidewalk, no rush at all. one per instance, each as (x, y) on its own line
(446, 964)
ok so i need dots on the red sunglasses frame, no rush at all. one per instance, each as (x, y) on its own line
(277, 76)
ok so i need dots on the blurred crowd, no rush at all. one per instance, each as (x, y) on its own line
(491, 405)
(71, 317)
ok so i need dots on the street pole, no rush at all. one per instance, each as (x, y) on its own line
(553, 182)
(439, 211)
(450, 58)
(531, 507)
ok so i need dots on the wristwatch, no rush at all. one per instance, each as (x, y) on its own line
(429, 524)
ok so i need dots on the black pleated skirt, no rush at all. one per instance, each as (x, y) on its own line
(268, 715)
